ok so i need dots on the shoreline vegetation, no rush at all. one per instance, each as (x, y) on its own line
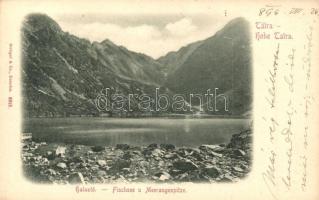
(53, 163)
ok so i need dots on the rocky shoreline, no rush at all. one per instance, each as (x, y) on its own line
(79, 164)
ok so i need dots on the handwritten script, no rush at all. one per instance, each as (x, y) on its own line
(289, 100)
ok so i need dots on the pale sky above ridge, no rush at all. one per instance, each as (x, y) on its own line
(153, 35)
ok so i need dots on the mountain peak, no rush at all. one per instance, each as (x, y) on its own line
(237, 20)
(236, 24)
(41, 22)
(108, 42)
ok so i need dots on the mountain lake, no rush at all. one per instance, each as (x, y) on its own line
(134, 131)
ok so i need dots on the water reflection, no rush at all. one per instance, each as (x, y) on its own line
(137, 131)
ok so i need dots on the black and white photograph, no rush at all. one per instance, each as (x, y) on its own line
(148, 100)
(158, 98)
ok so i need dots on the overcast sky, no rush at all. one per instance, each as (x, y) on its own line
(154, 35)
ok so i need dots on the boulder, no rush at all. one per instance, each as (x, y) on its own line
(61, 165)
(170, 155)
(241, 140)
(76, 178)
(98, 148)
(211, 147)
(26, 154)
(144, 164)
(147, 152)
(198, 156)
(185, 165)
(121, 163)
(167, 147)
(227, 178)
(238, 153)
(60, 151)
(238, 169)
(152, 146)
(36, 158)
(212, 171)
(116, 153)
(78, 159)
(122, 146)
(44, 161)
(216, 154)
(101, 162)
(163, 176)
(101, 173)
(157, 153)
(89, 152)
(182, 177)
(127, 155)
(50, 155)
(83, 165)
(51, 172)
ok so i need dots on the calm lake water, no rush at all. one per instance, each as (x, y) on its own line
(137, 131)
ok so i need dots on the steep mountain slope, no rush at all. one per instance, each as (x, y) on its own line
(173, 60)
(62, 74)
(222, 61)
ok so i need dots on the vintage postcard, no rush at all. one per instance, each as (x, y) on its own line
(159, 99)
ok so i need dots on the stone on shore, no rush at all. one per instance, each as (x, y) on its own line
(185, 165)
(50, 155)
(51, 172)
(167, 147)
(98, 148)
(121, 163)
(239, 153)
(60, 151)
(212, 171)
(156, 163)
(101, 162)
(61, 165)
(101, 173)
(162, 176)
(122, 146)
(76, 178)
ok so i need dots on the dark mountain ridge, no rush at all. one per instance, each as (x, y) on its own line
(62, 74)
(222, 61)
